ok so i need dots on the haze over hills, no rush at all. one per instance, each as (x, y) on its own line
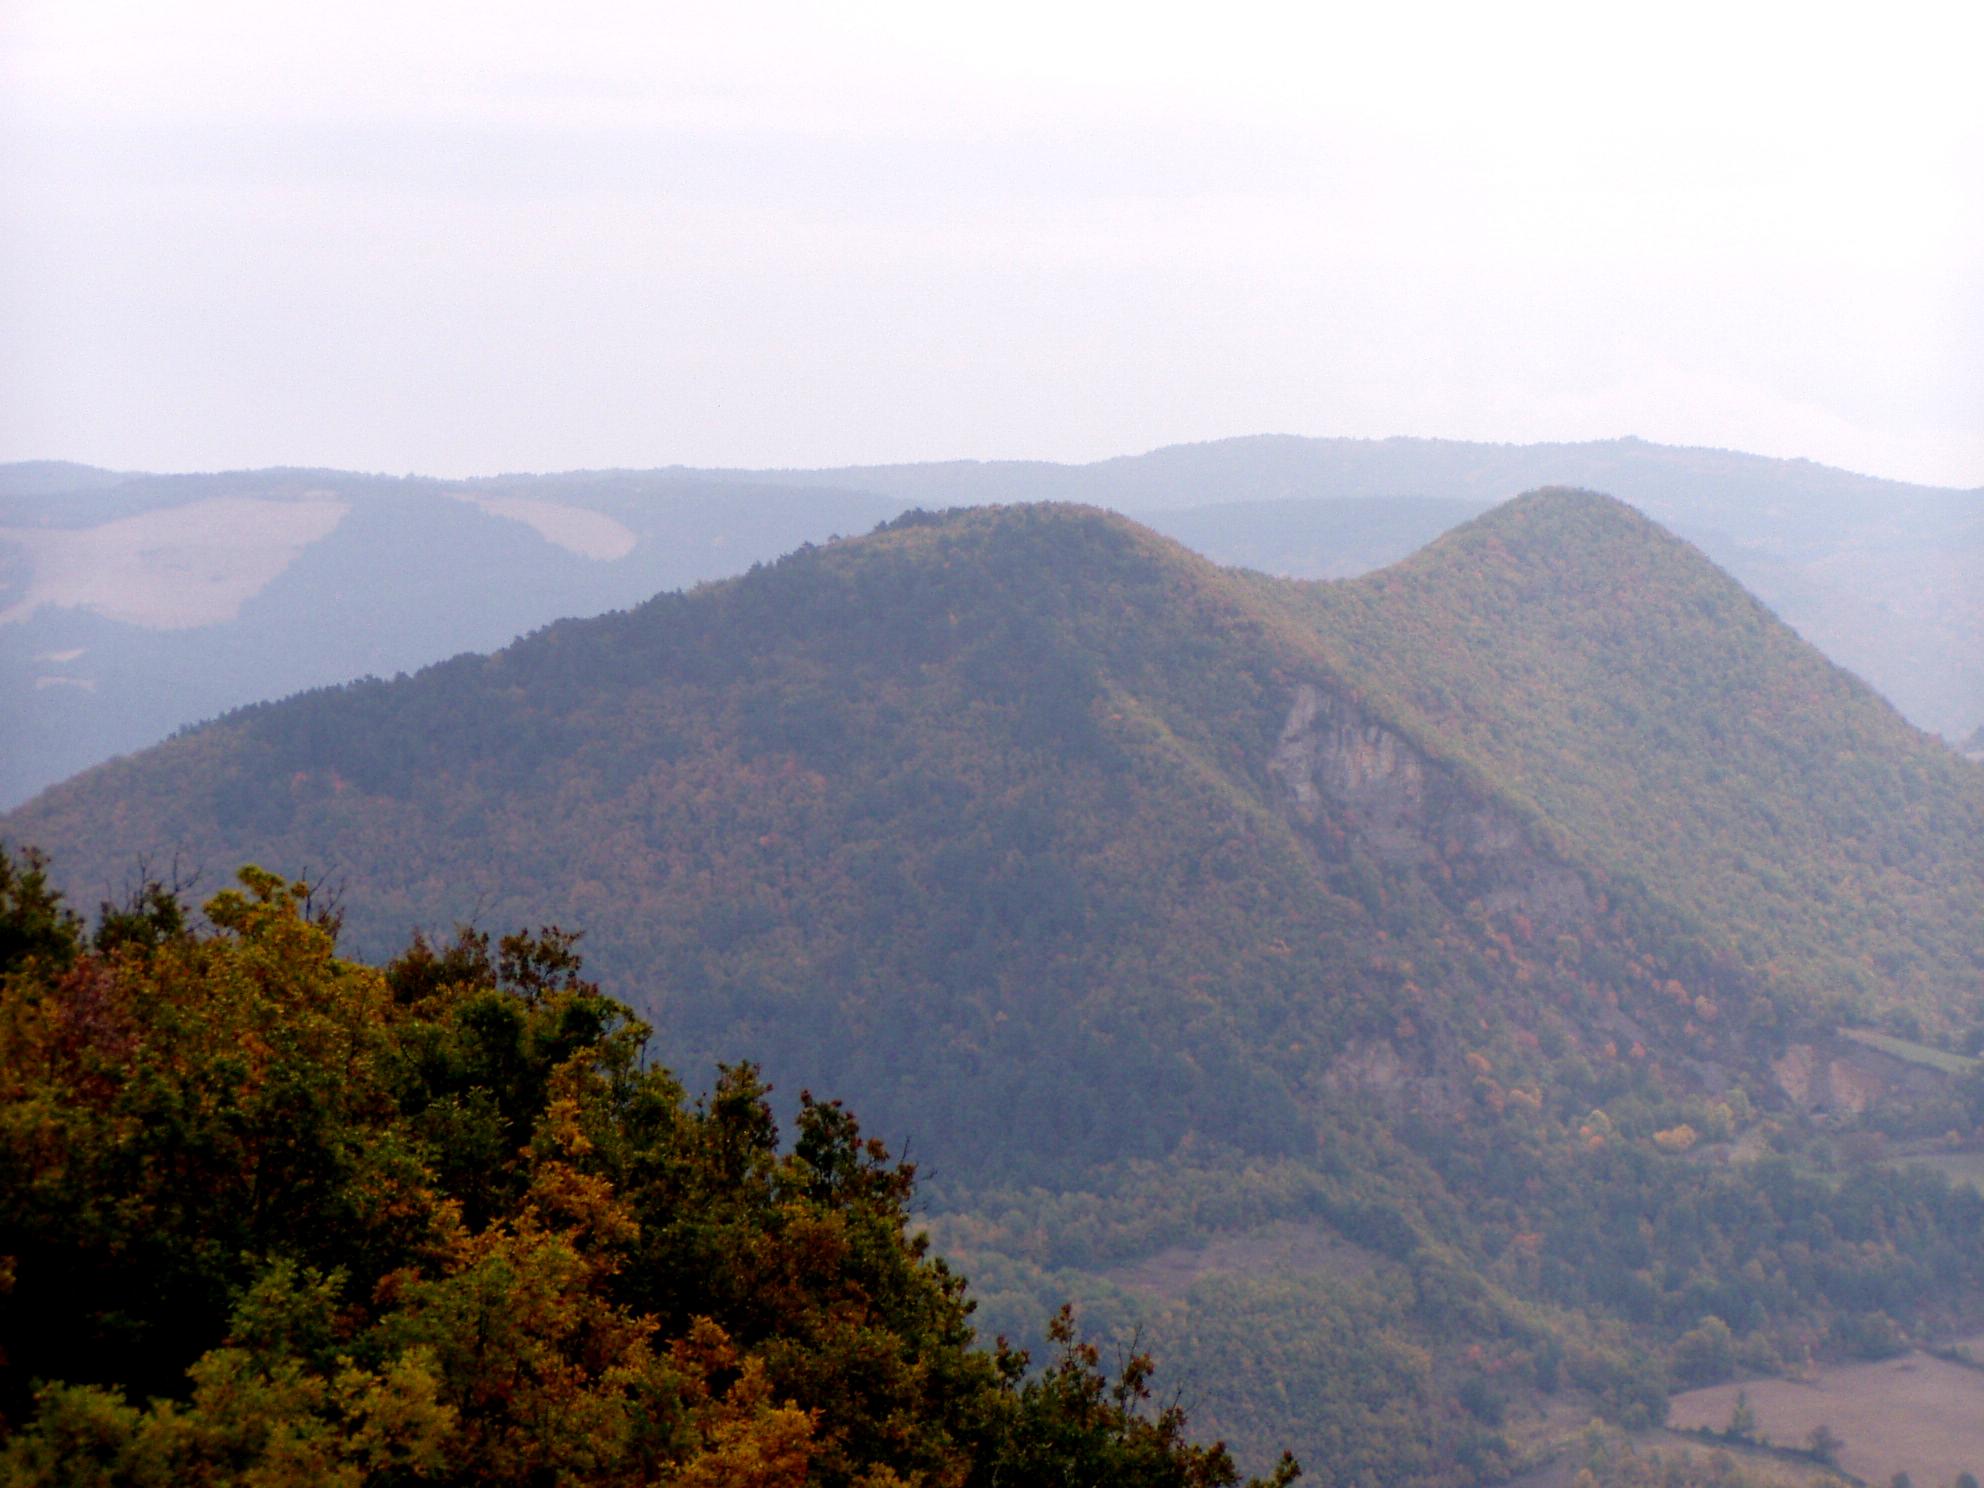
(134, 605)
(1394, 931)
(1885, 577)
(1592, 664)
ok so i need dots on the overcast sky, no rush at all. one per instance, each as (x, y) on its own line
(469, 238)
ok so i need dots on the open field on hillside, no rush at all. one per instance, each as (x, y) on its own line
(1915, 1414)
(1914, 1053)
(1287, 1246)
(1958, 1167)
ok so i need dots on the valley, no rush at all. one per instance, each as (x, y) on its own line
(1417, 1005)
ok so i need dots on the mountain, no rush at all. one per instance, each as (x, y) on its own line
(1361, 987)
(1588, 662)
(1885, 577)
(134, 605)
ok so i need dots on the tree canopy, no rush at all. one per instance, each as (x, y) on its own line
(271, 1216)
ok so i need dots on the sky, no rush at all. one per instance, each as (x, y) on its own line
(468, 238)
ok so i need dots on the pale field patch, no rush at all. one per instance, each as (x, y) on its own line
(171, 569)
(1915, 1414)
(590, 534)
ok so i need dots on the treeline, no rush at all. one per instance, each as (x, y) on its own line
(270, 1216)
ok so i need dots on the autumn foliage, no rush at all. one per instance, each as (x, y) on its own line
(270, 1216)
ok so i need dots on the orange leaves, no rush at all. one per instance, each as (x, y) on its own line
(1676, 1139)
(562, 1195)
(743, 1439)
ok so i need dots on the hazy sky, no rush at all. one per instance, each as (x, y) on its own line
(468, 238)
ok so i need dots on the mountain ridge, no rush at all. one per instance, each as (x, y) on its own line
(1127, 890)
(1884, 576)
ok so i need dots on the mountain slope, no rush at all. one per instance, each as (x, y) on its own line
(148, 604)
(975, 789)
(1157, 916)
(1886, 577)
(1037, 774)
(1583, 658)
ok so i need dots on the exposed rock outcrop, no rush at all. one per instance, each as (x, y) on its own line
(1846, 1078)
(1406, 810)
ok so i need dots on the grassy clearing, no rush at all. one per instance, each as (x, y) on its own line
(1914, 1053)
(1915, 1414)
(1958, 1167)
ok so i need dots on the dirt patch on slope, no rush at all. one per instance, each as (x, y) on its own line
(1283, 1247)
(1915, 1414)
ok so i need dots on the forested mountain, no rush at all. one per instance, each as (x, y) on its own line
(133, 605)
(1364, 987)
(1589, 663)
(1885, 577)
(271, 1217)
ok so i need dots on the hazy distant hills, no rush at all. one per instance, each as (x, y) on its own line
(132, 605)
(138, 605)
(1887, 578)
(1421, 939)
(1034, 743)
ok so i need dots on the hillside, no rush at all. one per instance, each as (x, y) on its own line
(133, 605)
(1212, 974)
(1885, 577)
(1592, 664)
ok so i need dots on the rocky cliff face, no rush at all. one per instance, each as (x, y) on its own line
(1408, 811)
(1344, 773)
(1839, 1077)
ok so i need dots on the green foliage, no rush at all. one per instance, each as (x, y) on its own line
(982, 822)
(1587, 662)
(271, 1216)
(34, 923)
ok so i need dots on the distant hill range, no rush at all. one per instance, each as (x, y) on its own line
(1399, 996)
(132, 605)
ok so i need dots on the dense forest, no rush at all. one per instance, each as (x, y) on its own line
(1882, 576)
(1590, 663)
(1374, 995)
(269, 1216)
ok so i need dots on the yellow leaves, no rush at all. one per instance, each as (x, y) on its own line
(744, 1441)
(397, 1419)
(561, 1195)
(704, 1350)
(257, 1422)
(547, 1374)
(1676, 1139)
(770, 1449)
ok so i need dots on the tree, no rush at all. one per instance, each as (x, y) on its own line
(1706, 1353)
(446, 1221)
(1742, 1419)
(1824, 1445)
